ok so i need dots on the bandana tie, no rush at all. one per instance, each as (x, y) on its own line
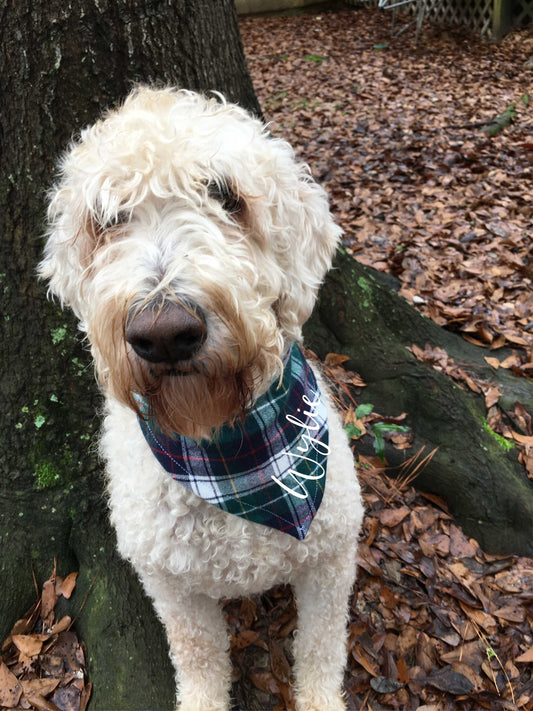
(269, 468)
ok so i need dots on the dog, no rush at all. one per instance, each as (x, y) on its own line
(191, 244)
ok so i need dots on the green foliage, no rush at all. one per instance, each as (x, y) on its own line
(377, 429)
(507, 117)
(39, 420)
(353, 432)
(502, 441)
(275, 100)
(47, 475)
(364, 410)
(315, 58)
(59, 334)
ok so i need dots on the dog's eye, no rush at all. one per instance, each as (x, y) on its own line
(121, 218)
(105, 229)
(225, 195)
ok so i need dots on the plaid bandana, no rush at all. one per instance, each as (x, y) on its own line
(271, 468)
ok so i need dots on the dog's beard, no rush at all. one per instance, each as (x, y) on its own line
(193, 401)
(196, 404)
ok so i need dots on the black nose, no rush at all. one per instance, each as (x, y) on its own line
(166, 334)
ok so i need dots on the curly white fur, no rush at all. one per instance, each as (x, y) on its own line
(134, 220)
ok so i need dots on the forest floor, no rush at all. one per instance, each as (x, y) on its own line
(399, 133)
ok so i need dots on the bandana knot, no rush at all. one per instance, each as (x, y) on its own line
(271, 467)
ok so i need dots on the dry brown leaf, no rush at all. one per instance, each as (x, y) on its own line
(460, 545)
(403, 671)
(67, 585)
(40, 703)
(48, 602)
(526, 657)
(512, 613)
(244, 639)
(392, 517)
(265, 681)
(29, 645)
(10, 689)
(480, 618)
(515, 580)
(43, 687)
(526, 440)
(493, 362)
(278, 663)
(333, 359)
(407, 641)
(492, 395)
(63, 624)
(364, 659)
(402, 440)
(526, 458)
(451, 681)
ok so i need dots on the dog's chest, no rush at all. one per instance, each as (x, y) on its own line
(208, 549)
(161, 526)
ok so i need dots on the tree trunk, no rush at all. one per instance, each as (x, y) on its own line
(485, 486)
(61, 63)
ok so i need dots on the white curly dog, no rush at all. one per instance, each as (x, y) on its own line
(191, 245)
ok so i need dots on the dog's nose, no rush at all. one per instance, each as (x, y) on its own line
(166, 334)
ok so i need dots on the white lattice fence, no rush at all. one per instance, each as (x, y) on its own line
(524, 13)
(485, 17)
(474, 14)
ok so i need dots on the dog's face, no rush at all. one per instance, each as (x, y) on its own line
(191, 246)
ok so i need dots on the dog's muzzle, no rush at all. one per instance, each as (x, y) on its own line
(168, 333)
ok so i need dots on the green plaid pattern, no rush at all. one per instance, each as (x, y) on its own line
(270, 468)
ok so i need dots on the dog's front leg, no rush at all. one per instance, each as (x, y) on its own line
(199, 649)
(322, 596)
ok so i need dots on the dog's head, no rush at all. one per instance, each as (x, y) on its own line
(191, 245)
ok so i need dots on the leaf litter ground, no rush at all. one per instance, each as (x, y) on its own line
(42, 663)
(394, 133)
(399, 134)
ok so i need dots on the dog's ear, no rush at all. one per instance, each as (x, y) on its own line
(63, 264)
(311, 238)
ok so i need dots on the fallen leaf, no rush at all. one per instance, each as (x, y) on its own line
(333, 359)
(493, 362)
(392, 517)
(278, 663)
(448, 680)
(48, 602)
(29, 645)
(526, 657)
(265, 681)
(383, 685)
(42, 687)
(513, 613)
(10, 689)
(492, 395)
(68, 585)
(526, 440)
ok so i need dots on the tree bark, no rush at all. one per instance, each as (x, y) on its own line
(486, 488)
(61, 64)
